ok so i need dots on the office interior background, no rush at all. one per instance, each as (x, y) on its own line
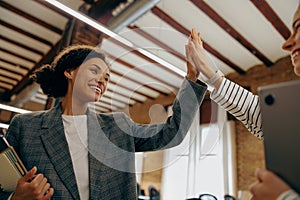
(145, 41)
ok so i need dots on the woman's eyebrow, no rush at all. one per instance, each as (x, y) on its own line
(97, 66)
(294, 23)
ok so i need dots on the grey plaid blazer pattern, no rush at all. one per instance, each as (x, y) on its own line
(113, 138)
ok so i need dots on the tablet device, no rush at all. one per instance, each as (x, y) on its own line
(280, 110)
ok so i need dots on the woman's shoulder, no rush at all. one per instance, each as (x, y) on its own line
(30, 115)
(113, 115)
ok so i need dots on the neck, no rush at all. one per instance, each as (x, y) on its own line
(72, 107)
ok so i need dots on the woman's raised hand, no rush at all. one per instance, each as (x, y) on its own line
(196, 56)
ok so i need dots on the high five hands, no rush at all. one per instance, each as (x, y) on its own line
(197, 58)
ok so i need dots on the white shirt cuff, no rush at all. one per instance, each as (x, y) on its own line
(289, 195)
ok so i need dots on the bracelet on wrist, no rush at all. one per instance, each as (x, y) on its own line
(215, 78)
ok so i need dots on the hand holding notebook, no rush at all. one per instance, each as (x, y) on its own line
(15, 178)
(11, 167)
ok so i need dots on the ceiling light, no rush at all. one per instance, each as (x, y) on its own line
(13, 109)
(4, 126)
(114, 35)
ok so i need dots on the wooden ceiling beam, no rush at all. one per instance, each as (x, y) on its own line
(135, 52)
(119, 93)
(21, 31)
(137, 82)
(26, 80)
(272, 17)
(3, 80)
(30, 17)
(47, 58)
(169, 20)
(141, 71)
(12, 63)
(231, 31)
(8, 77)
(17, 55)
(11, 71)
(21, 45)
(107, 104)
(117, 100)
(157, 42)
(130, 89)
(59, 11)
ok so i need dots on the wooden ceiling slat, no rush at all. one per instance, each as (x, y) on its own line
(272, 17)
(48, 57)
(21, 31)
(11, 63)
(17, 55)
(141, 71)
(26, 80)
(9, 77)
(101, 109)
(107, 105)
(8, 80)
(128, 88)
(59, 11)
(137, 82)
(117, 100)
(21, 45)
(12, 71)
(169, 20)
(231, 31)
(135, 52)
(30, 17)
(157, 42)
(5, 86)
(129, 97)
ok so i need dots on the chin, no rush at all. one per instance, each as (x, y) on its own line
(97, 98)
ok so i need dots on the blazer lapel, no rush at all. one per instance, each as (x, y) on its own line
(95, 165)
(56, 146)
(99, 155)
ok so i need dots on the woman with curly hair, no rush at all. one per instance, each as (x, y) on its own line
(75, 153)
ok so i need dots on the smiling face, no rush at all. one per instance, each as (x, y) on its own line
(89, 81)
(292, 44)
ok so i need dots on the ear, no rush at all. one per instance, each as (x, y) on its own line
(68, 74)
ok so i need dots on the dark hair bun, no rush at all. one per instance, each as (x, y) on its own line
(45, 77)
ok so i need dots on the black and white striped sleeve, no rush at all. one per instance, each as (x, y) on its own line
(241, 103)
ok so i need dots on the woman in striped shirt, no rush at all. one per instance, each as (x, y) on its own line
(245, 106)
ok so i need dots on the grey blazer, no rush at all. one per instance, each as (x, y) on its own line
(40, 141)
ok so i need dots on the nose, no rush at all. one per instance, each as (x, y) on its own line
(101, 79)
(289, 43)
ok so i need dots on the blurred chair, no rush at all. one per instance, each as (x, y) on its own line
(140, 192)
(153, 193)
(228, 197)
(207, 197)
(138, 189)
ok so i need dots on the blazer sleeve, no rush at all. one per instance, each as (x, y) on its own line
(172, 132)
